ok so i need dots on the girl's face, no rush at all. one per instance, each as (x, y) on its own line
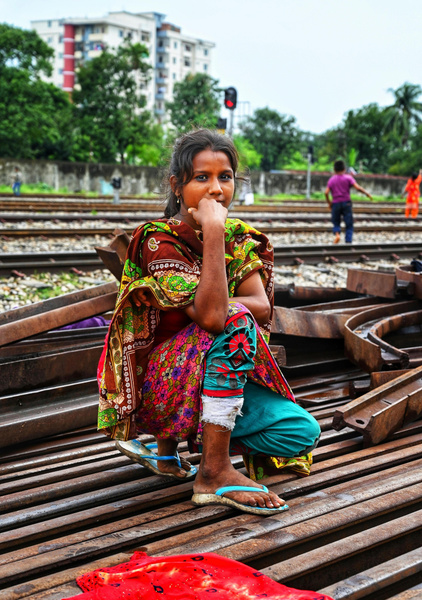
(213, 178)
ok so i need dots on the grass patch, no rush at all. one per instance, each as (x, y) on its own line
(321, 196)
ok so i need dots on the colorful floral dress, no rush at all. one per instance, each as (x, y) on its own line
(165, 256)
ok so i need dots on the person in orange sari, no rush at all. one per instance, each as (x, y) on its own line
(413, 193)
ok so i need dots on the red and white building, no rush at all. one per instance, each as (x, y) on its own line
(172, 54)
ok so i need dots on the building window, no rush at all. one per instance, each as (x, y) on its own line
(205, 67)
(205, 51)
(60, 71)
(187, 62)
(60, 54)
(174, 60)
(121, 33)
(49, 40)
(175, 44)
(60, 39)
(145, 37)
(187, 48)
(174, 75)
(160, 44)
(48, 23)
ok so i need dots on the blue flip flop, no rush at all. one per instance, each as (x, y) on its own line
(218, 498)
(144, 455)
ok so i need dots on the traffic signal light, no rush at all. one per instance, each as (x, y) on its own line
(221, 125)
(311, 154)
(230, 98)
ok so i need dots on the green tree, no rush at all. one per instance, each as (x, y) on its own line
(35, 116)
(24, 49)
(273, 135)
(249, 158)
(150, 151)
(405, 161)
(358, 140)
(196, 102)
(109, 106)
(404, 115)
(363, 129)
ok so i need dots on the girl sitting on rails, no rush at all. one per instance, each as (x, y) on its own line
(186, 356)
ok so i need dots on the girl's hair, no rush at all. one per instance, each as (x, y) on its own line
(181, 164)
(414, 175)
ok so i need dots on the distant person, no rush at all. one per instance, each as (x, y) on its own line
(413, 193)
(17, 182)
(341, 204)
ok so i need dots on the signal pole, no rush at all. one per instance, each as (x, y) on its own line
(230, 131)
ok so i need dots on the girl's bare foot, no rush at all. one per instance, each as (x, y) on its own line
(208, 481)
(168, 447)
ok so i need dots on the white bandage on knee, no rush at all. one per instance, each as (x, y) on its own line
(221, 411)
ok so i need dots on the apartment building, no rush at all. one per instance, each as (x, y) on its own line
(172, 55)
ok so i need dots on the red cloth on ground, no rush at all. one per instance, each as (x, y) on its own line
(185, 577)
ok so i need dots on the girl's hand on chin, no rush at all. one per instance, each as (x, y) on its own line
(208, 211)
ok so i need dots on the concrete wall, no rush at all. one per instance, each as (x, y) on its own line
(294, 182)
(82, 176)
(143, 180)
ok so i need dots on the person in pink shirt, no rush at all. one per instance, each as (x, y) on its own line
(341, 205)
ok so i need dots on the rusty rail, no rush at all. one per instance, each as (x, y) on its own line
(70, 502)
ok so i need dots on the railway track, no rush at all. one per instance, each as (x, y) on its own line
(133, 216)
(313, 206)
(310, 254)
(72, 503)
(7, 233)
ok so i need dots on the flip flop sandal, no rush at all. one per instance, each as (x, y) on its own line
(143, 454)
(218, 498)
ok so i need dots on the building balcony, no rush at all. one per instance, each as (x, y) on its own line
(161, 79)
(162, 49)
(78, 37)
(159, 96)
(159, 111)
(78, 54)
(96, 37)
(162, 66)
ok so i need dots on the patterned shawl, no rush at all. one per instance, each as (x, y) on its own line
(165, 256)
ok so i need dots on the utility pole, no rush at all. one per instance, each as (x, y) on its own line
(231, 119)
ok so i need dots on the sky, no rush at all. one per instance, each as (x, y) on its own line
(312, 59)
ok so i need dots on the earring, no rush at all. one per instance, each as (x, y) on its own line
(178, 201)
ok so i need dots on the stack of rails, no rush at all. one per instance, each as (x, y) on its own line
(71, 503)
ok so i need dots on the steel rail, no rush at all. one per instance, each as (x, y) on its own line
(53, 232)
(145, 205)
(289, 255)
(138, 216)
(70, 503)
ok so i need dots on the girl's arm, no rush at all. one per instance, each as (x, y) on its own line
(251, 293)
(211, 302)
